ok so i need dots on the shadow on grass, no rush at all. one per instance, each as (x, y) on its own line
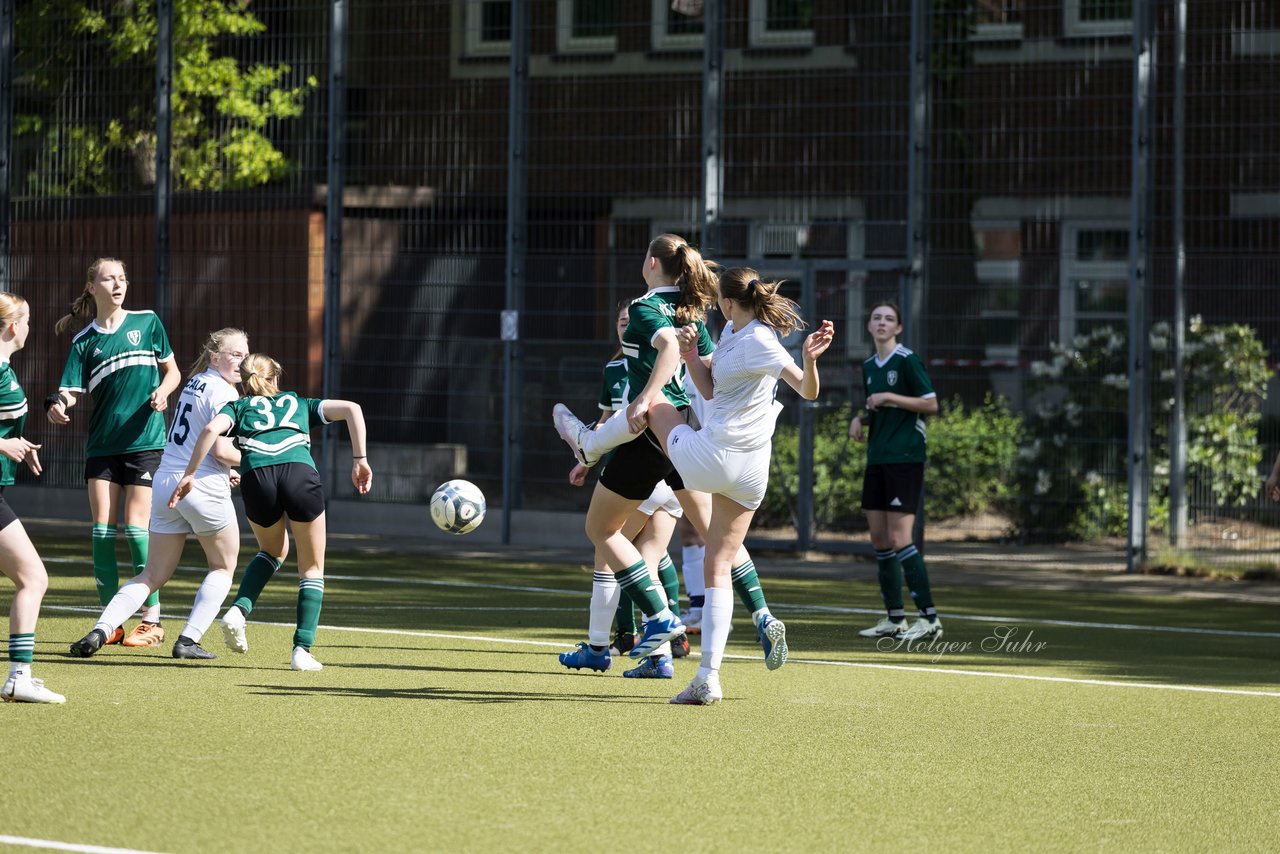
(447, 694)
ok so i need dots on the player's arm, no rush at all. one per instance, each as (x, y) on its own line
(225, 452)
(699, 370)
(57, 404)
(218, 425)
(664, 368)
(170, 378)
(350, 412)
(805, 381)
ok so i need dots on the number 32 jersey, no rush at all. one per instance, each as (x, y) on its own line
(274, 430)
(202, 397)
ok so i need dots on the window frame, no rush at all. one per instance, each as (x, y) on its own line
(567, 42)
(472, 20)
(1071, 268)
(660, 39)
(761, 36)
(1072, 26)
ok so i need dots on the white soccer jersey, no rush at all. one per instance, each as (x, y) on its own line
(745, 368)
(202, 397)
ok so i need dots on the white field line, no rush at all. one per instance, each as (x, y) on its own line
(781, 606)
(66, 846)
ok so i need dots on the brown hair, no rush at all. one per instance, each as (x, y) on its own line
(696, 277)
(83, 305)
(624, 304)
(886, 303)
(261, 375)
(213, 345)
(744, 286)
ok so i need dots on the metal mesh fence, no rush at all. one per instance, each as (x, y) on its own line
(1034, 181)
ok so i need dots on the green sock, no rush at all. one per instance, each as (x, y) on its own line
(138, 540)
(256, 576)
(747, 583)
(635, 580)
(105, 573)
(670, 580)
(310, 597)
(22, 647)
(625, 618)
(917, 581)
(890, 583)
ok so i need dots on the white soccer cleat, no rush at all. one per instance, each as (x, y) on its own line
(28, 690)
(886, 628)
(922, 629)
(692, 620)
(572, 430)
(702, 691)
(304, 660)
(233, 630)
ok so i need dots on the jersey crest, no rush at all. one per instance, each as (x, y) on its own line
(134, 336)
(891, 378)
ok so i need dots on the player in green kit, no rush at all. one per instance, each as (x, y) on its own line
(122, 359)
(18, 558)
(279, 484)
(899, 395)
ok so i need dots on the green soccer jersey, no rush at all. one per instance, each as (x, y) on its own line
(13, 417)
(120, 368)
(897, 435)
(646, 317)
(613, 389)
(274, 430)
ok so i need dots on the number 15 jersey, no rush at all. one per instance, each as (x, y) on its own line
(274, 430)
(202, 397)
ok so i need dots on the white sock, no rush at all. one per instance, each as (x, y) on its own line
(127, 600)
(209, 599)
(19, 670)
(605, 593)
(691, 558)
(610, 435)
(151, 614)
(756, 616)
(717, 617)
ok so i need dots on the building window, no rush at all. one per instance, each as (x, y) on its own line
(672, 30)
(997, 20)
(781, 23)
(1097, 17)
(998, 269)
(487, 27)
(1095, 278)
(587, 26)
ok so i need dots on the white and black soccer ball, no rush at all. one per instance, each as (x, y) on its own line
(457, 507)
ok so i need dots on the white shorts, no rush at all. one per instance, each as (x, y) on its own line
(740, 476)
(662, 499)
(207, 509)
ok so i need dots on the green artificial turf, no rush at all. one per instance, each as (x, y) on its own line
(448, 725)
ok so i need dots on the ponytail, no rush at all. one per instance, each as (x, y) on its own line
(83, 305)
(261, 375)
(743, 286)
(696, 276)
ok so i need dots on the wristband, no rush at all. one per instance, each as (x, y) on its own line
(361, 457)
(53, 400)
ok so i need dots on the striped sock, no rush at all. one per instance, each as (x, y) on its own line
(890, 576)
(22, 647)
(105, 573)
(642, 589)
(138, 539)
(310, 598)
(747, 584)
(256, 576)
(917, 578)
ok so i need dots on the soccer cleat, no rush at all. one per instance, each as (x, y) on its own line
(585, 656)
(622, 643)
(702, 691)
(90, 643)
(28, 690)
(772, 635)
(692, 620)
(886, 628)
(571, 430)
(922, 629)
(680, 646)
(656, 633)
(116, 636)
(304, 660)
(145, 634)
(233, 630)
(186, 648)
(653, 667)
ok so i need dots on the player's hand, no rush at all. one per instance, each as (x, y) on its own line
(180, 491)
(638, 415)
(578, 475)
(687, 339)
(855, 428)
(234, 477)
(57, 414)
(880, 398)
(1272, 489)
(158, 401)
(818, 342)
(17, 448)
(361, 476)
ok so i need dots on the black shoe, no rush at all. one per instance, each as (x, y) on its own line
(622, 643)
(89, 644)
(679, 646)
(186, 648)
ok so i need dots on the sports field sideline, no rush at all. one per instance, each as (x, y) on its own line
(1051, 716)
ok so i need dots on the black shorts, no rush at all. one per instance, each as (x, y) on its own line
(136, 468)
(895, 487)
(636, 467)
(289, 489)
(7, 516)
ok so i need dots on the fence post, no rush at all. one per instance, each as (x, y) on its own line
(333, 208)
(712, 124)
(915, 277)
(1178, 421)
(6, 133)
(164, 145)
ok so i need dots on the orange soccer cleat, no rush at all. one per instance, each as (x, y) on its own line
(145, 634)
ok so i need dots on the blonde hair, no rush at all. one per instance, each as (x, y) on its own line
(212, 346)
(686, 266)
(261, 375)
(744, 286)
(10, 307)
(83, 305)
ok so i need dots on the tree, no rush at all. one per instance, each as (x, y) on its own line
(84, 117)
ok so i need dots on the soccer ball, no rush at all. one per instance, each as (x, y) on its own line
(457, 507)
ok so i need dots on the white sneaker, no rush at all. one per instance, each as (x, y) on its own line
(571, 430)
(700, 692)
(692, 620)
(922, 628)
(304, 660)
(28, 690)
(233, 630)
(886, 628)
